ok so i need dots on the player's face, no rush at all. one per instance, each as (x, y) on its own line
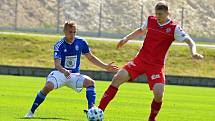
(70, 33)
(161, 15)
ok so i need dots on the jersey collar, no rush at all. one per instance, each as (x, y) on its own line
(167, 22)
(64, 38)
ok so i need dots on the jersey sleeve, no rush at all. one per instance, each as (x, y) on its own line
(144, 25)
(180, 34)
(57, 53)
(85, 48)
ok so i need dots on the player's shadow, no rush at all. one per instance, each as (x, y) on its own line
(48, 118)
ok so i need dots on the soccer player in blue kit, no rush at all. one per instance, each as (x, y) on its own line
(67, 53)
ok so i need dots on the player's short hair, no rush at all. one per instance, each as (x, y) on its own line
(162, 5)
(69, 24)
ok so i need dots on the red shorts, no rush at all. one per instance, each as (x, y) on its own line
(154, 74)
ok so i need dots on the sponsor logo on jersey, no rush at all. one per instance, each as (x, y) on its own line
(155, 76)
(70, 62)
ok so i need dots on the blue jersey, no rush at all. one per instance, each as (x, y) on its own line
(70, 54)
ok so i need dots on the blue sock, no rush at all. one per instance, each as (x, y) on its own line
(91, 96)
(38, 100)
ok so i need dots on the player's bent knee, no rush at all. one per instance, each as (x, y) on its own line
(116, 77)
(48, 87)
(117, 80)
(88, 82)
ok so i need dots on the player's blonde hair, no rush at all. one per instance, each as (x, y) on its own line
(69, 24)
(162, 5)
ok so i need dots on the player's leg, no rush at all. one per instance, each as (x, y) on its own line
(158, 92)
(51, 83)
(89, 84)
(156, 104)
(41, 95)
(118, 79)
(156, 83)
(49, 86)
(78, 81)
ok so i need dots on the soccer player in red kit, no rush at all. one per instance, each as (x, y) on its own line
(160, 32)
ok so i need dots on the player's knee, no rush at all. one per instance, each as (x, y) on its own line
(89, 82)
(48, 87)
(116, 80)
(116, 77)
(158, 97)
(158, 92)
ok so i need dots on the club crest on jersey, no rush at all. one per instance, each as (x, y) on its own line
(76, 47)
(64, 50)
(168, 30)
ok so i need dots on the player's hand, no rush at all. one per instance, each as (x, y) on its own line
(122, 42)
(197, 56)
(67, 74)
(112, 67)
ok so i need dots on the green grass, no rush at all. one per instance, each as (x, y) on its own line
(132, 103)
(208, 43)
(37, 51)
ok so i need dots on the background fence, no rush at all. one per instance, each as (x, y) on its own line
(107, 76)
(99, 17)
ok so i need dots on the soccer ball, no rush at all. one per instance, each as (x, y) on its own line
(95, 114)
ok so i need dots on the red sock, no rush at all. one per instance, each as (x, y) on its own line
(107, 97)
(155, 108)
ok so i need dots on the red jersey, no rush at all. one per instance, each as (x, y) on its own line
(157, 42)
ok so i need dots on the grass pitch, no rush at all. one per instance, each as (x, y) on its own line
(132, 103)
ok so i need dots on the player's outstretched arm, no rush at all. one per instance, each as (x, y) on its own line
(192, 46)
(96, 61)
(136, 33)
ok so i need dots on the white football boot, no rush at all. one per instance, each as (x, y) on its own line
(29, 114)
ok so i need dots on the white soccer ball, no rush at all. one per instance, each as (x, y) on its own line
(95, 114)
